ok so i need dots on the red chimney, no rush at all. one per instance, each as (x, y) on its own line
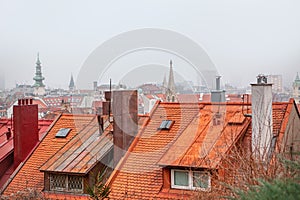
(25, 124)
(125, 124)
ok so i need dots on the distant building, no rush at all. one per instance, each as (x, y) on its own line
(276, 80)
(39, 87)
(296, 89)
(171, 90)
(71, 84)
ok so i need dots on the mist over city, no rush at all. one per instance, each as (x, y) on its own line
(149, 99)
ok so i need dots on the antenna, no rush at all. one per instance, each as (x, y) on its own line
(109, 105)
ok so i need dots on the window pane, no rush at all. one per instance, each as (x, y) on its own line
(181, 178)
(57, 182)
(200, 179)
(75, 182)
(169, 123)
(163, 124)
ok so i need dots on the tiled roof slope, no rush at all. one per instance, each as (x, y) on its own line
(29, 175)
(140, 177)
(139, 174)
(203, 144)
(83, 152)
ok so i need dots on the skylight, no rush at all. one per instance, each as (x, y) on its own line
(165, 125)
(63, 132)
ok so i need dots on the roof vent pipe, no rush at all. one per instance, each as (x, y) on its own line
(218, 85)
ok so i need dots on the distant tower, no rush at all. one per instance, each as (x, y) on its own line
(171, 90)
(39, 87)
(296, 89)
(71, 84)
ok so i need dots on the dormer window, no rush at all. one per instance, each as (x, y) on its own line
(190, 180)
(166, 125)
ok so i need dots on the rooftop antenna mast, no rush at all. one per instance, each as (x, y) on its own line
(109, 105)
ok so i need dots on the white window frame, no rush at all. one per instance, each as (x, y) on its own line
(190, 180)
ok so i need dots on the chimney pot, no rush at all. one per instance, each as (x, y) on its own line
(8, 134)
(30, 102)
(262, 79)
(218, 85)
(19, 102)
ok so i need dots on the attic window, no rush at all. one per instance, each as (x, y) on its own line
(190, 180)
(68, 183)
(165, 125)
(63, 132)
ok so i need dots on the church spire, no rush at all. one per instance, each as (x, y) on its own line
(171, 91)
(71, 84)
(39, 87)
(38, 78)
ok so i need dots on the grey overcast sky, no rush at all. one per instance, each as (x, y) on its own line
(243, 38)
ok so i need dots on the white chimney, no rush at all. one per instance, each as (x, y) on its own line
(262, 121)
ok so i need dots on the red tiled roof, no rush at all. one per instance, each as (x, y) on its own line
(192, 141)
(188, 98)
(6, 146)
(83, 151)
(203, 144)
(140, 176)
(29, 175)
(56, 101)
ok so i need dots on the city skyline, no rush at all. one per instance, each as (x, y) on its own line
(240, 37)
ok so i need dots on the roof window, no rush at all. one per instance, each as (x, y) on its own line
(63, 132)
(190, 180)
(165, 125)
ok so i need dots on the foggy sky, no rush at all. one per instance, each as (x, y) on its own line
(242, 38)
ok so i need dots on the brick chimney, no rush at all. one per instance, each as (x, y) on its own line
(125, 114)
(25, 129)
(262, 121)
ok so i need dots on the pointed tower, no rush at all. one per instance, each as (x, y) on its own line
(296, 89)
(39, 87)
(71, 84)
(171, 90)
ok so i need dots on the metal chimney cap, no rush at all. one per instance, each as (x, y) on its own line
(262, 79)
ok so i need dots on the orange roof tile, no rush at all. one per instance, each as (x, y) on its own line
(29, 175)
